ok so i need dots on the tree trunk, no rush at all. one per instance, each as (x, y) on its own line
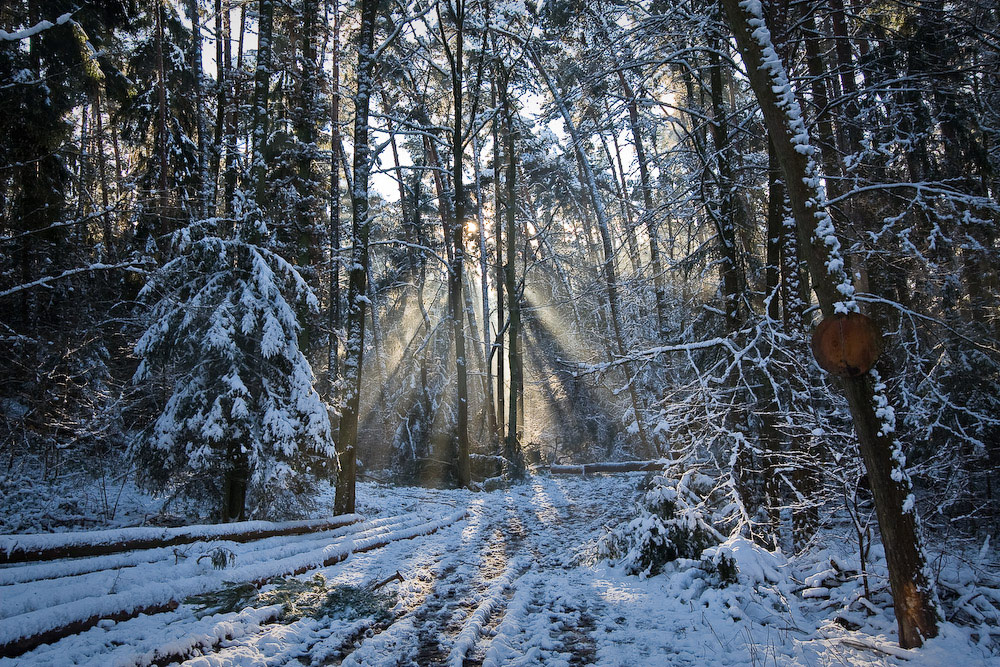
(512, 441)
(333, 312)
(344, 501)
(912, 587)
(202, 183)
(770, 436)
(83, 164)
(730, 216)
(261, 93)
(103, 174)
(456, 59)
(498, 222)
(232, 117)
(234, 484)
(648, 215)
(161, 144)
(484, 272)
(222, 76)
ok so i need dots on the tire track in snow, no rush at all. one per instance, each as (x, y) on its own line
(542, 624)
(465, 587)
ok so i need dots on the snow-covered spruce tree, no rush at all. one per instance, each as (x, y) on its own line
(241, 421)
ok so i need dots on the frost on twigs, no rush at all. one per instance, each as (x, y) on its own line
(219, 557)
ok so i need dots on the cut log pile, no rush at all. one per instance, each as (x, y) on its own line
(24, 632)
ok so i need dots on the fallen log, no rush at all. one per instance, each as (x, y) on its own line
(610, 467)
(33, 548)
(15, 648)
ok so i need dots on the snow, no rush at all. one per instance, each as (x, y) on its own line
(756, 564)
(509, 577)
(33, 30)
(796, 127)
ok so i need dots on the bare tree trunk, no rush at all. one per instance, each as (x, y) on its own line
(912, 587)
(344, 501)
(83, 163)
(648, 215)
(730, 215)
(232, 117)
(456, 59)
(261, 95)
(202, 184)
(103, 174)
(500, 280)
(491, 417)
(512, 442)
(333, 312)
(610, 276)
(161, 146)
(770, 436)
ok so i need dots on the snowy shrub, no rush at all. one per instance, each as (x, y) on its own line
(755, 564)
(670, 525)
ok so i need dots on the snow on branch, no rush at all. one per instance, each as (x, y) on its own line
(41, 26)
(46, 280)
(655, 351)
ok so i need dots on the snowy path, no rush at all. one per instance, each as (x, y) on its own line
(492, 579)
(489, 590)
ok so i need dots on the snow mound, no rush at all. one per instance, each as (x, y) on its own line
(756, 564)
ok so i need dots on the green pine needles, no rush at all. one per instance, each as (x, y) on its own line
(300, 598)
(670, 526)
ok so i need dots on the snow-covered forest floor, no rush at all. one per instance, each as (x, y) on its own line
(509, 577)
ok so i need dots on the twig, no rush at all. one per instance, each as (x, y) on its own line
(394, 577)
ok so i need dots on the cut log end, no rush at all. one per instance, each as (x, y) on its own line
(847, 345)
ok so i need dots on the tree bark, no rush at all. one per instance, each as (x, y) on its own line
(202, 183)
(103, 175)
(512, 441)
(484, 272)
(456, 59)
(498, 222)
(261, 94)
(161, 144)
(333, 312)
(232, 117)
